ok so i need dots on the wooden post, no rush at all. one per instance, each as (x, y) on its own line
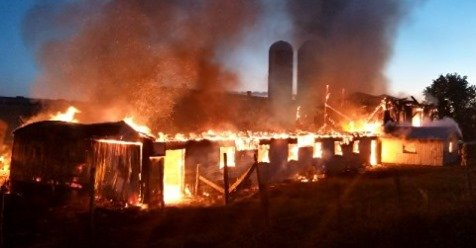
(197, 179)
(225, 179)
(263, 192)
(161, 183)
(147, 150)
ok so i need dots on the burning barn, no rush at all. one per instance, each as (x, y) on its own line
(57, 157)
(409, 145)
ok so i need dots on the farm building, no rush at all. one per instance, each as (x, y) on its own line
(56, 157)
(408, 145)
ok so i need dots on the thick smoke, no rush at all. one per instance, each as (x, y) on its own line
(141, 58)
(353, 40)
(136, 57)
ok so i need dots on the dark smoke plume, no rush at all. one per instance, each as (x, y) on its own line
(136, 57)
(353, 40)
(142, 57)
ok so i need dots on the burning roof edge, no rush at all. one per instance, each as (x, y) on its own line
(70, 129)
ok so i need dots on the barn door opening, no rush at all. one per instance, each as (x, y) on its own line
(174, 179)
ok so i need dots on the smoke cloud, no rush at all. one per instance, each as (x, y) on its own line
(135, 57)
(352, 38)
(141, 58)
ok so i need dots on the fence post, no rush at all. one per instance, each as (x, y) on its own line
(225, 178)
(161, 183)
(263, 192)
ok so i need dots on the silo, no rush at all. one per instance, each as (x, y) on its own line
(280, 82)
(308, 87)
(280, 74)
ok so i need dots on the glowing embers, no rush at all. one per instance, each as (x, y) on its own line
(230, 156)
(263, 153)
(317, 150)
(293, 152)
(67, 116)
(4, 167)
(174, 164)
(373, 152)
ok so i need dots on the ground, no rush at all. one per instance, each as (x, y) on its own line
(389, 207)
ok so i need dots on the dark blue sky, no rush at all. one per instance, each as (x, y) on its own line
(438, 38)
(17, 67)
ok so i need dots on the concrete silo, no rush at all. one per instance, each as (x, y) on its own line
(280, 74)
(280, 81)
(309, 91)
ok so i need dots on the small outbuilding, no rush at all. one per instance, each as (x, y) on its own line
(55, 158)
(408, 145)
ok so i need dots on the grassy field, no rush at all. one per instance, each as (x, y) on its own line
(393, 207)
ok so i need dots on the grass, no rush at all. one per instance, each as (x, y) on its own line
(435, 209)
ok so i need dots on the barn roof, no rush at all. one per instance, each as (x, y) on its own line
(429, 133)
(78, 130)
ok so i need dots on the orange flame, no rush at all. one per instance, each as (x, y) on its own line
(293, 151)
(373, 152)
(230, 156)
(174, 163)
(67, 116)
(138, 127)
(417, 118)
(4, 168)
(362, 126)
(317, 150)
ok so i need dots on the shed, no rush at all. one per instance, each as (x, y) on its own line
(61, 155)
(408, 145)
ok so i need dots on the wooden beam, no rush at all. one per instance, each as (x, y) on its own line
(197, 179)
(212, 184)
(242, 178)
(263, 190)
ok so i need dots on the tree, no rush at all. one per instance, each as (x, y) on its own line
(455, 98)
